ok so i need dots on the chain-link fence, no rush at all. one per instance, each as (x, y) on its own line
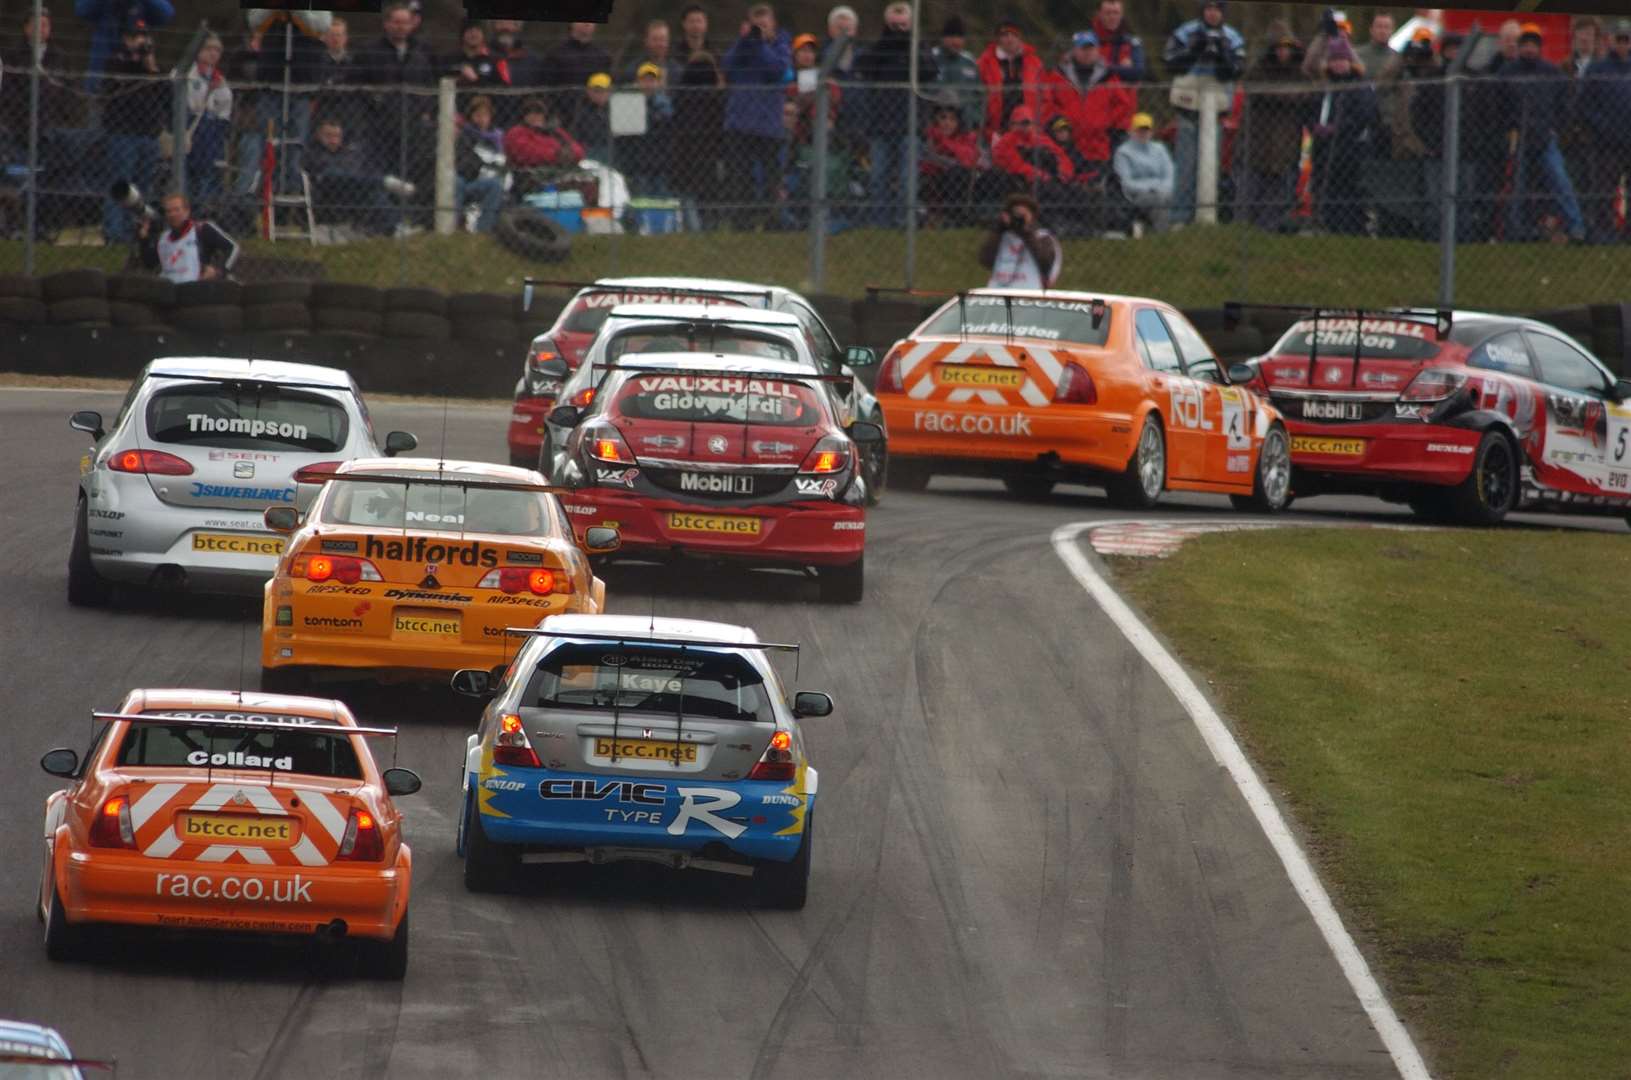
(1337, 186)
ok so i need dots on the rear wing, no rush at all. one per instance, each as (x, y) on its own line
(260, 382)
(800, 378)
(316, 727)
(1441, 319)
(442, 478)
(530, 284)
(1098, 305)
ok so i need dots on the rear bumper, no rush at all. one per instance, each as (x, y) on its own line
(132, 535)
(1071, 436)
(133, 890)
(793, 534)
(1383, 453)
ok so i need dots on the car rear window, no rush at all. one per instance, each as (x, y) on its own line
(398, 504)
(183, 745)
(725, 399)
(246, 416)
(699, 337)
(1051, 320)
(1380, 339)
(604, 676)
(590, 309)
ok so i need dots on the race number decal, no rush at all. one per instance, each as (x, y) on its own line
(1234, 421)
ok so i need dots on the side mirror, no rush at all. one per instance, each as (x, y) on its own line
(61, 762)
(600, 539)
(866, 433)
(88, 421)
(811, 703)
(281, 519)
(1622, 389)
(545, 359)
(472, 682)
(565, 415)
(859, 356)
(400, 442)
(1240, 374)
(402, 782)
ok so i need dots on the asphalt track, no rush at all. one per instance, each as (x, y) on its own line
(1027, 863)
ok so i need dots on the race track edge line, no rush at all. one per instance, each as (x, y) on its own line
(1227, 753)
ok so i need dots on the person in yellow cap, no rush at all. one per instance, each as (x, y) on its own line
(1145, 171)
(591, 122)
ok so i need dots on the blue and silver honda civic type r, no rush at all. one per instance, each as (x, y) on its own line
(614, 737)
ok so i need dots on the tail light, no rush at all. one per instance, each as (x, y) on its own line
(317, 472)
(511, 746)
(156, 462)
(830, 455)
(605, 444)
(777, 761)
(111, 827)
(889, 376)
(518, 579)
(583, 398)
(342, 568)
(1075, 386)
(362, 841)
(1434, 384)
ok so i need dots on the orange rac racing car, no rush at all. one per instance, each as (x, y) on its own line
(1037, 388)
(216, 810)
(414, 566)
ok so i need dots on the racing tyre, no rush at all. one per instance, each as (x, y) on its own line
(423, 301)
(277, 317)
(1140, 485)
(480, 306)
(843, 584)
(85, 587)
(22, 309)
(786, 885)
(1271, 487)
(19, 285)
(875, 469)
(387, 960)
(63, 940)
(141, 289)
(207, 294)
(342, 295)
(491, 330)
(129, 313)
(279, 292)
(1029, 487)
(79, 312)
(285, 680)
(74, 285)
(335, 320)
(209, 318)
(488, 867)
(1491, 489)
(414, 324)
(533, 234)
(908, 475)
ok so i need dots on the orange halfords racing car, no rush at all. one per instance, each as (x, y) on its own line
(416, 565)
(1037, 388)
(215, 810)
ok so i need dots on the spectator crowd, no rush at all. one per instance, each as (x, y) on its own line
(1343, 132)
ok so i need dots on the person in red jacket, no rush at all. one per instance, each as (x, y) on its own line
(1091, 96)
(539, 140)
(956, 170)
(1012, 74)
(1033, 162)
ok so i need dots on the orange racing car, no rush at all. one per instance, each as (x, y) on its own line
(1037, 388)
(412, 565)
(215, 810)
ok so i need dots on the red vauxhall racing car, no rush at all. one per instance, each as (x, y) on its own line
(1463, 415)
(557, 352)
(729, 457)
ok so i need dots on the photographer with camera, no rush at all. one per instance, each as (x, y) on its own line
(1020, 253)
(187, 250)
(135, 108)
(1203, 48)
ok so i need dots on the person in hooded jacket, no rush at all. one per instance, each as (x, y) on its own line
(1536, 93)
(1343, 121)
(1204, 47)
(1269, 144)
(1012, 74)
(887, 65)
(1091, 96)
(757, 68)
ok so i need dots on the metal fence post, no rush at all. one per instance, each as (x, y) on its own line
(30, 215)
(1450, 172)
(1206, 153)
(909, 188)
(447, 209)
(178, 129)
(818, 169)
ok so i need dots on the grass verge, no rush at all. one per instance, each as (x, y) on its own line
(1447, 714)
(1198, 267)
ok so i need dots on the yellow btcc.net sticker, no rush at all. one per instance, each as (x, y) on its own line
(1307, 444)
(717, 524)
(645, 750)
(238, 829)
(229, 544)
(980, 375)
(425, 624)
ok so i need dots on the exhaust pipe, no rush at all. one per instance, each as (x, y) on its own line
(169, 578)
(332, 932)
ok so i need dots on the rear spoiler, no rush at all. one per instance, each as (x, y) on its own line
(799, 377)
(317, 727)
(251, 380)
(442, 478)
(1099, 307)
(594, 286)
(1441, 318)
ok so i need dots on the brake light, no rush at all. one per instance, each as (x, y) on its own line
(889, 377)
(156, 462)
(583, 398)
(1434, 384)
(111, 827)
(605, 444)
(1075, 386)
(516, 579)
(317, 472)
(362, 841)
(511, 746)
(830, 455)
(777, 761)
(341, 568)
